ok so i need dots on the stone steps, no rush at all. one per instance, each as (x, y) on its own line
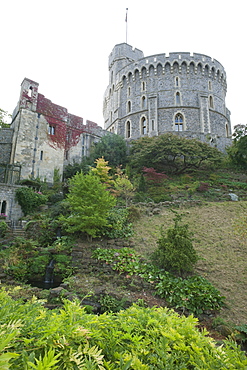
(18, 232)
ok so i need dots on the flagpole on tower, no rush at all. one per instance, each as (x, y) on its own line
(126, 20)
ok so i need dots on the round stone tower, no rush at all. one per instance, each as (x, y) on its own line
(181, 93)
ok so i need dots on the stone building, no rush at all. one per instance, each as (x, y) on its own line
(181, 93)
(43, 137)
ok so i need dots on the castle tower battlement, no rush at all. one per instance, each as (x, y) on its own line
(178, 92)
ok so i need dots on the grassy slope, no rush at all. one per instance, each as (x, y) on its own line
(223, 253)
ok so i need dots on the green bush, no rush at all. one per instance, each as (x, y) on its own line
(136, 339)
(29, 200)
(43, 229)
(175, 252)
(119, 224)
(194, 294)
(3, 228)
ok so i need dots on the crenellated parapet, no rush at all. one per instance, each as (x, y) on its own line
(174, 63)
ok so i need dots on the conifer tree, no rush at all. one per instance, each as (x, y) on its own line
(90, 203)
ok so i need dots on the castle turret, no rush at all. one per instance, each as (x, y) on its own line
(29, 94)
(181, 92)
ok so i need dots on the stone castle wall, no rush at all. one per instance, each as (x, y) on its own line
(8, 203)
(154, 90)
(6, 135)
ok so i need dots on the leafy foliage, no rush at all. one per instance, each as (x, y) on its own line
(124, 187)
(172, 153)
(24, 259)
(42, 229)
(175, 252)
(113, 148)
(153, 176)
(136, 338)
(72, 168)
(3, 228)
(29, 200)
(238, 151)
(102, 172)
(90, 204)
(4, 115)
(194, 294)
(119, 225)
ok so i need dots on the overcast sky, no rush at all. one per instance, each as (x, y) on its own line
(64, 45)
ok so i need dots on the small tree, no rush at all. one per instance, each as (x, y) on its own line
(90, 203)
(175, 252)
(124, 187)
(113, 148)
(238, 151)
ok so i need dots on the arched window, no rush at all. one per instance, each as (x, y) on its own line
(4, 207)
(209, 85)
(178, 99)
(177, 81)
(211, 102)
(143, 86)
(127, 131)
(179, 121)
(144, 102)
(129, 107)
(128, 91)
(143, 126)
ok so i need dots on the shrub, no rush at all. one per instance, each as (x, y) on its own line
(175, 252)
(195, 294)
(119, 225)
(136, 338)
(29, 200)
(204, 186)
(24, 259)
(3, 228)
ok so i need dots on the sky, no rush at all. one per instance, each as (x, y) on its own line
(64, 45)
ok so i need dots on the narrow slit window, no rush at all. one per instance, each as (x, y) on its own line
(128, 129)
(211, 102)
(178, 98)
(144, 102)
(144, 126)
